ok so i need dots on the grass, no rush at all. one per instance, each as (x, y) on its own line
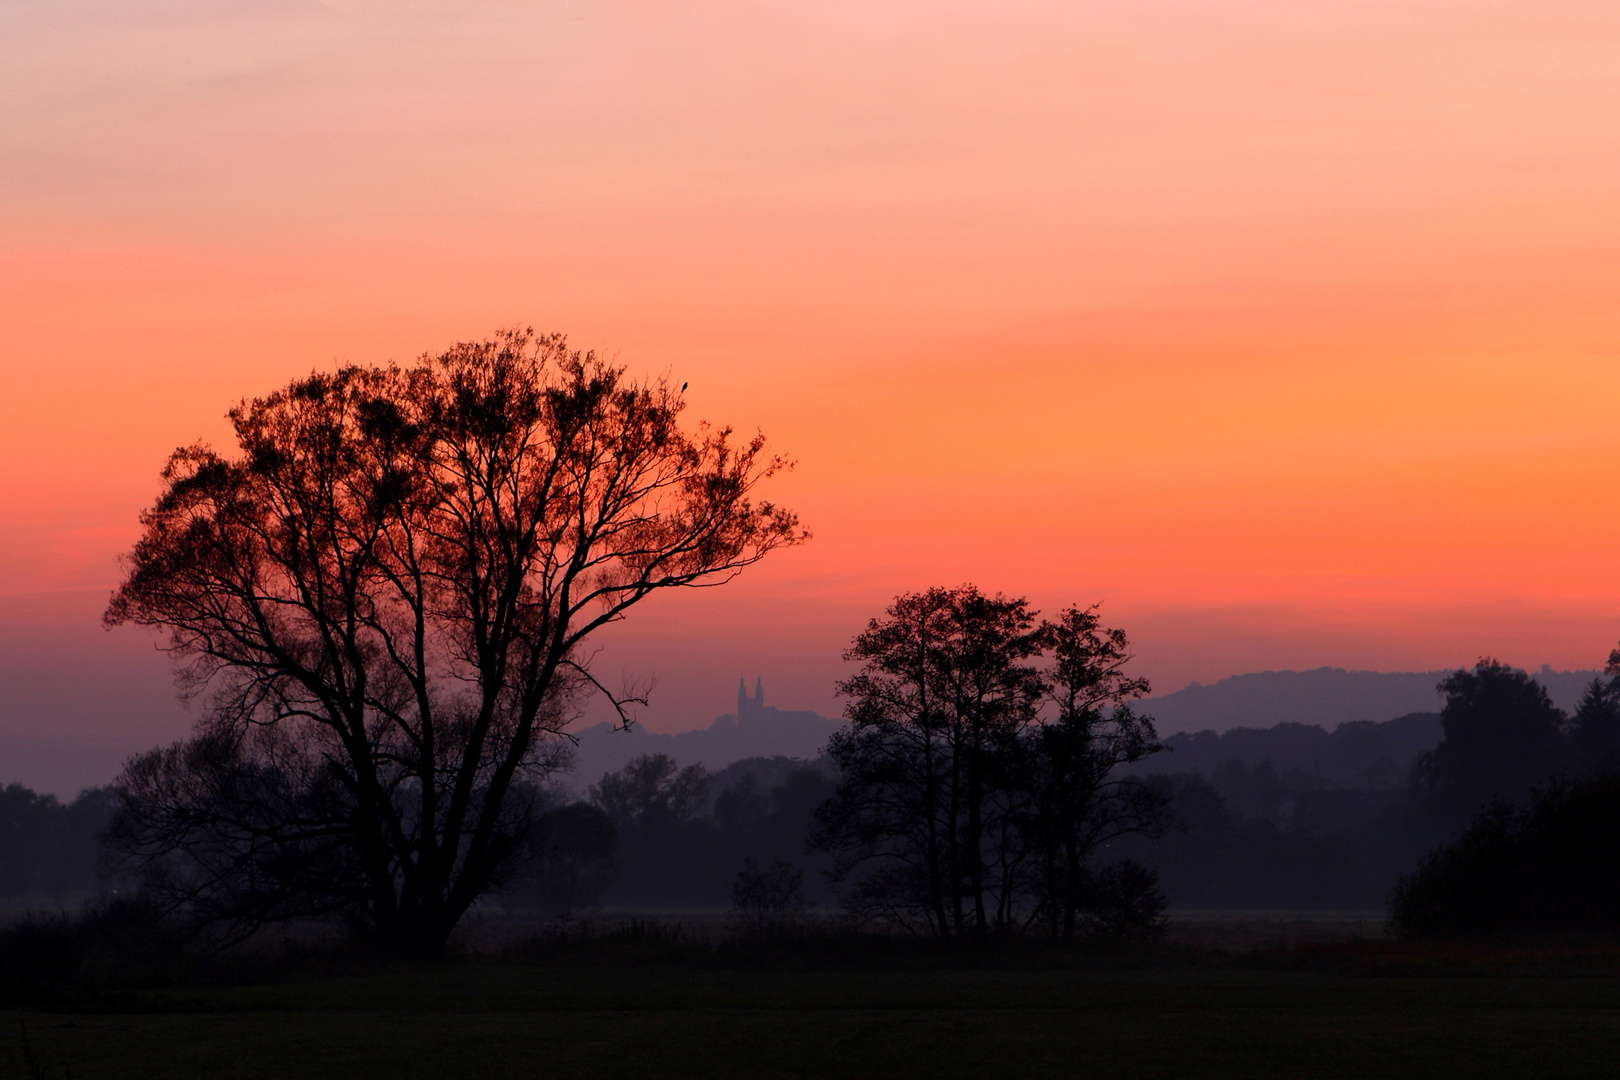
(493, 929)
(1240, 931)
(1159, 1014)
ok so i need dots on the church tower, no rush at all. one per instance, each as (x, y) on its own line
(750, 706)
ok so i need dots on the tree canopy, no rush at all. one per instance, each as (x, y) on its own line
(976, 774)
(1501, 734)
(384, 599)
(1551, 865)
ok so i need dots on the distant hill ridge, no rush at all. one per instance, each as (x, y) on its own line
(1357, 754)
(755, 730)
(1325, 697)
(1299, 719)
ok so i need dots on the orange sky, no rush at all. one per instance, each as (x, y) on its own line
(1289, 330)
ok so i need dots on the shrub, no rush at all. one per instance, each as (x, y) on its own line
(40, 958)
(768, 901)
(111, 945)
(1123, 903)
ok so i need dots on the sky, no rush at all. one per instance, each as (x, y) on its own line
(1286, 331)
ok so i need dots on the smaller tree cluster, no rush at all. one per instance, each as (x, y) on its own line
(570, 859)
(1501, 735)
(978, 772)
(48, 848)
(766, 900)
(653, 804)
(678, 836)
(1540, 793)
(1551, 866)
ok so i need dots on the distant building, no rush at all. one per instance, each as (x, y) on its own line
(757, 730)
(752, 708)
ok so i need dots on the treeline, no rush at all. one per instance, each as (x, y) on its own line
(655, 835)
(1255, 838)
(1239, 837)
(1534, 796)
(1550, 866)
(391, 585)
(49, 849)
(1295, 817)
(1287, 818)
(1358, 754)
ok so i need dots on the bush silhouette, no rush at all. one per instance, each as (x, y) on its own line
(1553, 865)
(766, 901)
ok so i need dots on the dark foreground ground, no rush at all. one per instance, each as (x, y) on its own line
(1360, 1009)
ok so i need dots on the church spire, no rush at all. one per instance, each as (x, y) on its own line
(759, 693)
(742, 696)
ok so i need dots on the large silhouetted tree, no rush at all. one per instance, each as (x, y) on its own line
(384, 599)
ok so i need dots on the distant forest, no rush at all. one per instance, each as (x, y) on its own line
(1287, 817)
(1292, 816)
(50, 850)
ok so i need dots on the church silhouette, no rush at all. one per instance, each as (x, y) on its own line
(756, 730)
(755, 716)
(751, 708)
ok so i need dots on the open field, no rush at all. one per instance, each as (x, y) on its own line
(1142, 1017)
(493, 929)
(1237, 931)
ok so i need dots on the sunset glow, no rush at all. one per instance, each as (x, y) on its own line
(1288, 331)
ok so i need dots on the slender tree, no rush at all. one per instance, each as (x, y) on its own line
(1076, 802)
(945, 687)
(994, 691)
(1595, 726)
(384, 600)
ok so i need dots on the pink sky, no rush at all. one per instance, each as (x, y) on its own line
(1289, 331)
